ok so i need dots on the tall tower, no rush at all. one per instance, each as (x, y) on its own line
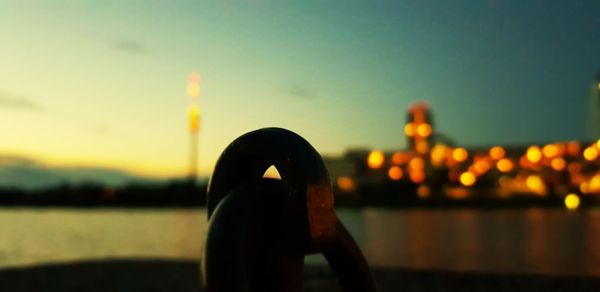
(419, 128)
(193, 92)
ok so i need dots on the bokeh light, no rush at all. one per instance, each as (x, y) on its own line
(497, 152)
(395, 173)
(467, 179)
(572, 201)
(376, 159)
(460, 154)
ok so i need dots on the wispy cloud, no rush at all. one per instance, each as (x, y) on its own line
(300, 91)
(23, 172)
(129, 45)
(17, 102)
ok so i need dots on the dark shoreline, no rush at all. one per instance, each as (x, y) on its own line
(175, 275)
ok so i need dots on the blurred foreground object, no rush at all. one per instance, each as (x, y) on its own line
(260, 229)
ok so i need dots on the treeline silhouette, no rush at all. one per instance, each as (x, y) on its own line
(171, 194)
(187, 193)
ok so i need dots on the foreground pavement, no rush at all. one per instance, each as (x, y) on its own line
(171, 275)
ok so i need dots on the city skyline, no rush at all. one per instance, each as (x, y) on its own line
(103, 85)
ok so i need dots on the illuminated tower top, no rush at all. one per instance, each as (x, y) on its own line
(419, 128)
(193, 92)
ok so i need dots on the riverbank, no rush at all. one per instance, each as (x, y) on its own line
(170, 275)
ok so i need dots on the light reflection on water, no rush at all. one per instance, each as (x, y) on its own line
(550, 241)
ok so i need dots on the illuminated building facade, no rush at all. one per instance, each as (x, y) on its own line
(561, 172)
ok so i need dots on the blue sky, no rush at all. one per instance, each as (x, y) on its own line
(102, 84)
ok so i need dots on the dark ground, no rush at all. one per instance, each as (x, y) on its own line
(164, 275)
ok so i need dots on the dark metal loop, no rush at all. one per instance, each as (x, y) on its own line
(305, 177)
(349, 264)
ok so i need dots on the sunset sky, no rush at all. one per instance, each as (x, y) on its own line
(102, 84)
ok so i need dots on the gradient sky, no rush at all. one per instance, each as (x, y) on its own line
(102, 83)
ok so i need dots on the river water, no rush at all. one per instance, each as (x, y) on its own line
(547, 241)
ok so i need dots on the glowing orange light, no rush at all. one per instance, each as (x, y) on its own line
(536, 184)
(558, 164)
(504, 165)
(438, 154)
(573, 148)
(424, 130)
(574, 167)
(399, 158)
(595, 184)
(423, 191)
(590, 153)
(572, 201)
(194, 78)
(550, 150)
(467, 179)
(454, 175)
(395, 173)
(376, 159)
(422, 147)
(417, 163)
(497, 152)
(346, 184)
(523, 162)
(458, 193)
(481, 166)
(460, 154)
(534, 154)
(417, 176)
(410, 129)
(194, 118)
(584, 187)
(598, 143)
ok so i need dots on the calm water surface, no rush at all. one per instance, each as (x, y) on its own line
(551, 241)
